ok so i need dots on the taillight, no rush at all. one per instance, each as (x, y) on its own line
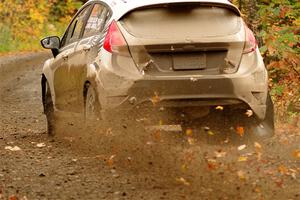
(251, 42)
(114, 41)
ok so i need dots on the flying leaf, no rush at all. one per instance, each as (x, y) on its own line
(183, 181)
(242, 175)
(282, 169)
(220, 154)
(257, 146)
(157, 135)
(296, 154)
(219, 108)
(211, 164)
(15, 148)
(110, 161)
(155, 99)
(242, 147)
(249, 113)
(240, 131)
(191, 141)
(242, 159)
(189, 132)
(41, 145)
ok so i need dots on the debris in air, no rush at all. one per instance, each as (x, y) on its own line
(15, 148)
(242, 147)
(41, 145)
(249, 113)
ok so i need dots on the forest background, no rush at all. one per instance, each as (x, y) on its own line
(276, 24)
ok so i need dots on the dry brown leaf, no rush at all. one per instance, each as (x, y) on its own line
(249, 113)
(210, 133)
(242, 175)
(242, 147)
(212, 164)
(257, 146)
(191, 141)
(282, 169)
(189, 132)
(219, 108)
(155, 99)
(296, 154)
(110, 161)
(220, 154)
(242, 159)
(240, 131)
(183, 181)
(157, 135)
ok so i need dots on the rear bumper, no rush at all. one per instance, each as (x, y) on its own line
(248, 86)
(186, 92)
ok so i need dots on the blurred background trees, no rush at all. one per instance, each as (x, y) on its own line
(24, 22)
(277, 27)
(276, 24)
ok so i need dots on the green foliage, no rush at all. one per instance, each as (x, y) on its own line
(277, 27)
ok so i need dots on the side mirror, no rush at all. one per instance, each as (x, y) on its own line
(52, 43)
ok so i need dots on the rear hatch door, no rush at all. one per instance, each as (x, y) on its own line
(184, 38)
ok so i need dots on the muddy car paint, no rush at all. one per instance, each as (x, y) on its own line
(125, 82)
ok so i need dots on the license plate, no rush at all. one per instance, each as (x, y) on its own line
(189, 62)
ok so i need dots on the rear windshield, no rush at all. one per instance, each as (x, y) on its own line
(181, 21)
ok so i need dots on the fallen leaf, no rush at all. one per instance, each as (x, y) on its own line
(249, 113)
(211, 164)
(240, 131)
(219, 108)
(13, 198)
(210, 133)
(296, 154)
(41, 145)
(242, 159)
(189, 132)
(110, 161)
(15, 148)
(242, 147)
(157, 135)
(257, 190)
(259, 155)
(183, 181)
(257, 146)
(191, 141)
(226, 141)
(155, 99)
(282, 169)
(242, 175)
(279, 183)
(220, 154)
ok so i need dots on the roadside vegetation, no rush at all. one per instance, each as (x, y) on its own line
(276, 23)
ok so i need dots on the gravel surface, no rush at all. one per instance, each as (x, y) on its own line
(131, 163)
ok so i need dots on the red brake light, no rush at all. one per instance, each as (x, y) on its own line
(114, 41)
(251, 42)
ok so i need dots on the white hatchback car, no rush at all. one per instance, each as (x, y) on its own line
(184, 56)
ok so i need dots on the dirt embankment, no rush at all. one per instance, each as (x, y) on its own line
(130, 164)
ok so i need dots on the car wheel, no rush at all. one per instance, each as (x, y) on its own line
(266, 127)
(49, 110)
(92, 105)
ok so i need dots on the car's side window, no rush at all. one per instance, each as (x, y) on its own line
(74, 32)
(96, 21)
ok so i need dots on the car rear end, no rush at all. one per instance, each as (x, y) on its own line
(183, 55)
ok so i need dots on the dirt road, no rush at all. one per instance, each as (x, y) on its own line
(131, 164)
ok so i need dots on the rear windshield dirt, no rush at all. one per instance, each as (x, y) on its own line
(178, 21)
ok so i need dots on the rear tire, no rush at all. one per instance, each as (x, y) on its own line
(266, 127)
(49, 111)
